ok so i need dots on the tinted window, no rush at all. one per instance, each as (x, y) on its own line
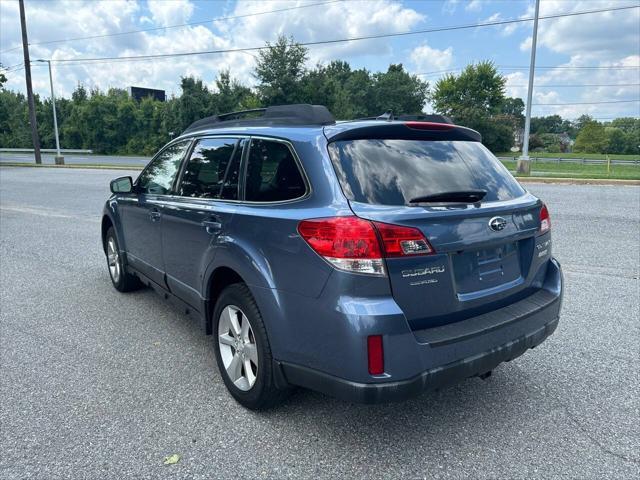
(392, 172)
(272, 173)
(158, 177)
(207, 167)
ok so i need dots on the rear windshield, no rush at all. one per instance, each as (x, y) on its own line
(392, 172)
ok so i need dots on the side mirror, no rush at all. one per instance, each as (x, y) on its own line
(121, 185)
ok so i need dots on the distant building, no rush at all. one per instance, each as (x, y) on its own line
(138, 93)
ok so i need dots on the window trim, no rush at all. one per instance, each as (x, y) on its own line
(243, 162)
(301, 170)
(153, 159)
(185, 161)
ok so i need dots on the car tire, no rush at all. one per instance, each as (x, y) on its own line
(122, 281)
(252, 383)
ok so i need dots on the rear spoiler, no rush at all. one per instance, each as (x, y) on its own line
(410, 130)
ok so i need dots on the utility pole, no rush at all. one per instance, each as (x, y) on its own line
(27, 70)
(524, 164)
(59, 157)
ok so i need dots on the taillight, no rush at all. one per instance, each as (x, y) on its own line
(348, 243)
(375, 354)
(545, 220)
(400, 241)
(359, 246)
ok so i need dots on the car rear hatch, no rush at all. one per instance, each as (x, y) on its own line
(483, 251)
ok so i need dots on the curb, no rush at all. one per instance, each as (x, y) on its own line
(88, 167)
(579, 181)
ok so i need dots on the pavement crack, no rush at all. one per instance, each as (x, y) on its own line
(576, 423)
(603, 448)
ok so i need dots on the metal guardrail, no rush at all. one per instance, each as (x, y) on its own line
(583, 161)
(44, 150)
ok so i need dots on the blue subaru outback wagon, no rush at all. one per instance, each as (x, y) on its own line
(369, 260)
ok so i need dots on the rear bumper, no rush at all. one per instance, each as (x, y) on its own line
(428, 380)
(450, 353)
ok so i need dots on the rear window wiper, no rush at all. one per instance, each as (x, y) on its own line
(462, 196)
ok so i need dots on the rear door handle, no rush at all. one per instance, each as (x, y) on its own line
(212, 225)
(154, 214)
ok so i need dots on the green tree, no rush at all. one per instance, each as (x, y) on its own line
(398, 91)
(14, 120)
(616, 140)
(196, 101)
(581, 121)
(345, 92)
(3, 78)
(476, 99)
(232, 96)
(548, 124)
(279, 70)
(591, 138)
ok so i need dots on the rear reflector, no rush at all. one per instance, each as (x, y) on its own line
(376, 354)
(360, 246)
(545, 219)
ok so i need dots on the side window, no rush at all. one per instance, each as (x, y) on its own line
(272, 173)
(209, 164)
(158, 177)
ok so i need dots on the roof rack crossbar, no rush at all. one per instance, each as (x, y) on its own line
(286, 115)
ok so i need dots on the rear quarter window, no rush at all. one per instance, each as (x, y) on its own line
(392, 172)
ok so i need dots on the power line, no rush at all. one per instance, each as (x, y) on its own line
(583, 103)
(341, 40)
(582, 85)
(12, 66)
(569, 67)
(178, 25)
(526, 68)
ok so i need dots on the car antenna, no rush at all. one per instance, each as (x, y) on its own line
(388, 116)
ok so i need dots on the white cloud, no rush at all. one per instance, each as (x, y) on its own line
(426, 58)
(450, 6)
(525, 45)
(473, 6)
(505, 30)
(66, 18)
(516, 85)
(597, 35)
(337, 20)
(170, 12)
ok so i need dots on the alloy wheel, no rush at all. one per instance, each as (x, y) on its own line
(113, 259)
(238, 348)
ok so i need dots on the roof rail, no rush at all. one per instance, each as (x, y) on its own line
(293, 115)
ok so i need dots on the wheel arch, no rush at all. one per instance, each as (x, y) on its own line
(219, 279)
(106, 224)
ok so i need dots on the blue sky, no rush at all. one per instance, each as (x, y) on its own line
(608, 40)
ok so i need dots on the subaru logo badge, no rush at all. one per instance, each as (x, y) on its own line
(497, 223)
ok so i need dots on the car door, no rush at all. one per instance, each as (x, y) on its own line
(141, 211)
(198, 214)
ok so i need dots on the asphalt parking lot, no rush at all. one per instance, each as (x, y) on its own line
(98, 384)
